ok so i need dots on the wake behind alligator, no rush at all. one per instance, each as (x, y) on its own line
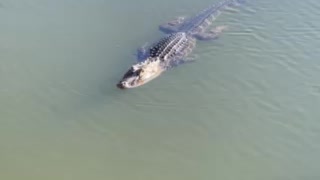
(174, 48)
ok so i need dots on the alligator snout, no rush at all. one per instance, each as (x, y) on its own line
(120, 85)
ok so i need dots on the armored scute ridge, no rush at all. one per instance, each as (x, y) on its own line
(174, 48)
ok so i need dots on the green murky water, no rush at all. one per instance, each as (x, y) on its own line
(248, 109)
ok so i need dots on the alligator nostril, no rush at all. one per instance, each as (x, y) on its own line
(120, 85)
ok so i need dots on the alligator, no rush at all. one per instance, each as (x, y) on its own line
(174, 48)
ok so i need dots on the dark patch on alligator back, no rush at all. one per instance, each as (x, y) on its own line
(159, 46)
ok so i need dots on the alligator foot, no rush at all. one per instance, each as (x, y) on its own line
(172, 26)
(212, 34)
(231, 9)
(142, 52)
(237, 3)
(189, 59)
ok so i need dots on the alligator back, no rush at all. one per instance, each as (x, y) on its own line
(172, 48)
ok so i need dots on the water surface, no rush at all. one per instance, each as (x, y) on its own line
(248, 109)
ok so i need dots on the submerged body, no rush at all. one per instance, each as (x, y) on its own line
(174, 48)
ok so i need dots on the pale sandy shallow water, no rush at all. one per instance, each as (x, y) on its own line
(248, 109)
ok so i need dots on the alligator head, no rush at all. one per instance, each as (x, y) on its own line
(141, 73)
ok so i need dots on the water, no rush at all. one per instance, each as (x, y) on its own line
(246, 110)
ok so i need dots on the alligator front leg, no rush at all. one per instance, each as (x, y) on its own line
(142, 53)
(212, 34)
(172, 26)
